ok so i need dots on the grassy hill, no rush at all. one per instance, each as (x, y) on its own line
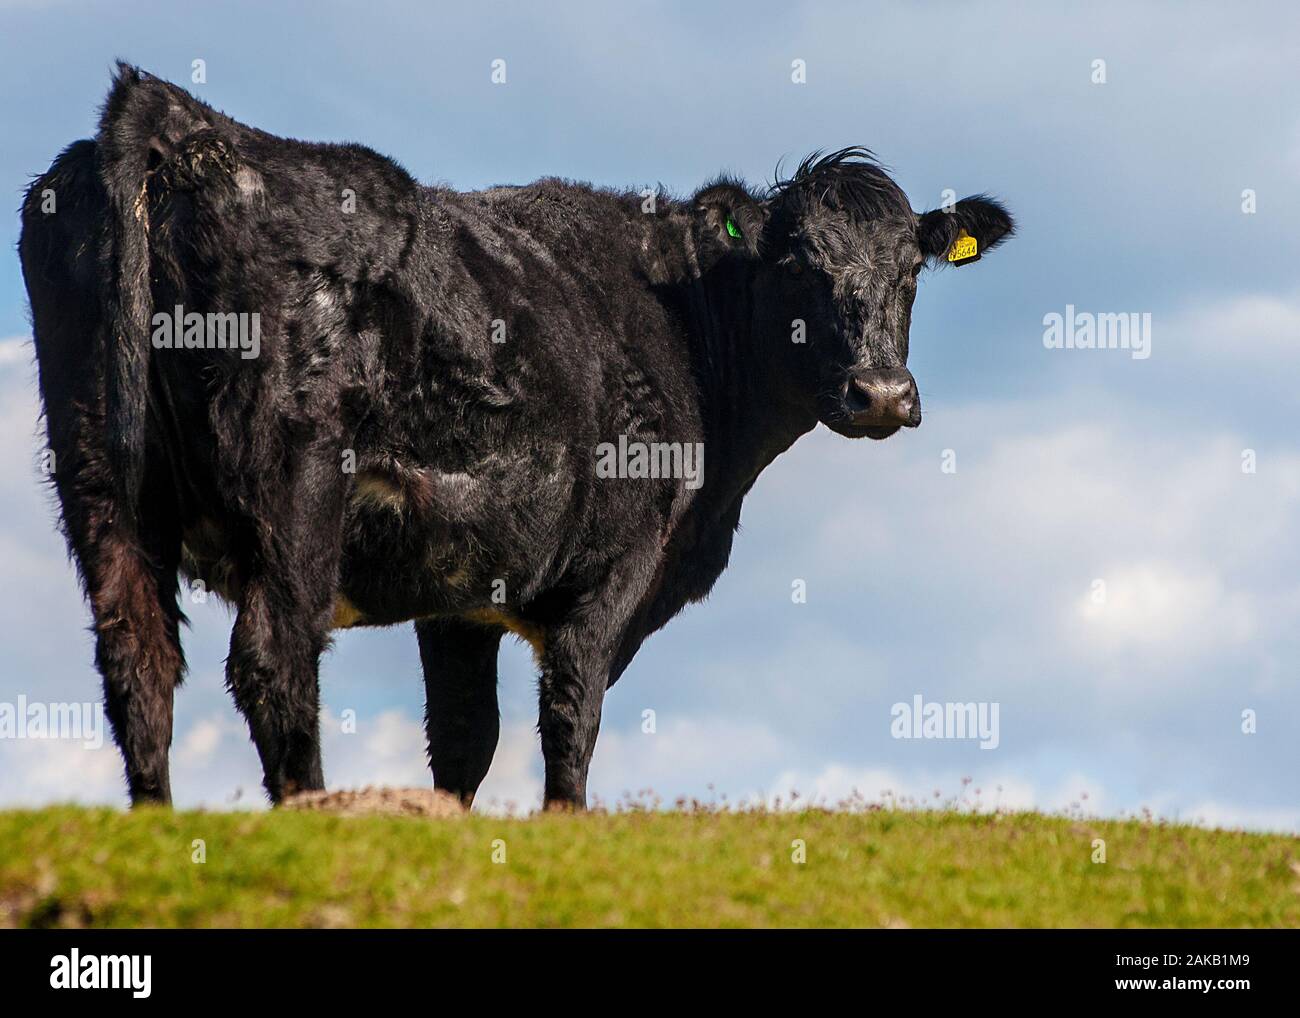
(68, 866)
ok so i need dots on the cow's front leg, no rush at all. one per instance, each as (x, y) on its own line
(570, 695)
(461, 717)
(580, 659)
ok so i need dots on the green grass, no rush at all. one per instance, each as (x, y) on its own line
(68, 866)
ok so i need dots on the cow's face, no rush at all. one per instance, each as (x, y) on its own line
(834, 255)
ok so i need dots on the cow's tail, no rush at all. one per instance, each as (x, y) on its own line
(124, 154)
(142, 120)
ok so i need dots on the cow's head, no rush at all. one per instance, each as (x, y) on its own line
(831, 258)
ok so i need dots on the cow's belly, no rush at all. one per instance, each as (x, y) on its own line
(405, 558)
(389, 578)
(462, 552)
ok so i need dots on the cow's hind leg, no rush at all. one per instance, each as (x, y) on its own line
(461, 716)
(130, 578)
(275, 649)
(289, 577)
(138, 653)
(131, 582)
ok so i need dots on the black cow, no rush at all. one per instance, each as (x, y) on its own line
(337, 397)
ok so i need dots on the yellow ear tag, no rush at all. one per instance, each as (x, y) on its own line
(964, 249)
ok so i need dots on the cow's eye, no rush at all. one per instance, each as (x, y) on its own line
(916, 269)
(793, 266)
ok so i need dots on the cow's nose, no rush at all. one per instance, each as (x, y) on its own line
(884, 397)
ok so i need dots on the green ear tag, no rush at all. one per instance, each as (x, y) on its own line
(732, 229)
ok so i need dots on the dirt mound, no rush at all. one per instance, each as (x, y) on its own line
(402, 802)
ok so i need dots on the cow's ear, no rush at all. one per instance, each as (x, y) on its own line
(962, 232)
(730, 218)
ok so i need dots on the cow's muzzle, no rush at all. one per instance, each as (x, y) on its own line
(882, 400)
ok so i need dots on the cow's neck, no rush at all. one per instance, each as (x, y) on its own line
(747, 424)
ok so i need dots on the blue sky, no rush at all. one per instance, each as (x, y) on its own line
(1072, 465)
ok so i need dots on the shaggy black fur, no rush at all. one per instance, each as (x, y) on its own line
(417, 437)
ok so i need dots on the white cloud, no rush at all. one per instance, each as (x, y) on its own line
(1159, 607)
(678, 754)
(514, 782)
(200, 743)
(15, 350)
(387, 749)
(1258, 329)
(1197, 556)
(36, 772)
